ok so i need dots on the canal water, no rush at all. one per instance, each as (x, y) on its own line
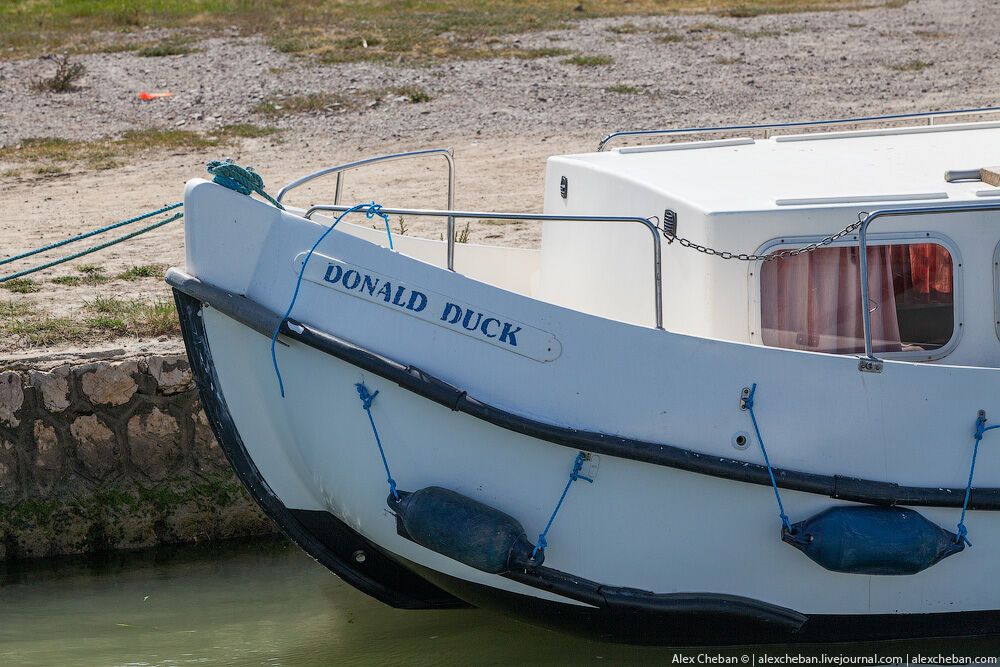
(266, 603)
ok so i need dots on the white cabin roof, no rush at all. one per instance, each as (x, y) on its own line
(822, 169)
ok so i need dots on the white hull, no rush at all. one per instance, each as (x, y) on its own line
(638, 525)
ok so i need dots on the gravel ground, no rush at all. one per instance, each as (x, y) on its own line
(503, 117)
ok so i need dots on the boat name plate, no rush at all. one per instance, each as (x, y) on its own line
(432, 307)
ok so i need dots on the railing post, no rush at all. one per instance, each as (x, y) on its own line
(452, 215)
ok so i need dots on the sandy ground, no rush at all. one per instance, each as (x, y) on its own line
(502, 117)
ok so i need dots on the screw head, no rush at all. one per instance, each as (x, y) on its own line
(360, 556)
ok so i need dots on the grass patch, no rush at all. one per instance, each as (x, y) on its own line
(583, 60)
(178, 46)
(534, 54)
(347, 30)
(624, 89)
(624, 29)
(911, 66)
(247, 131)
(733, 30)
(90, 269)
(142, 271)
(108, 153)
(309, 103)
(132, 318)
(669, 38)
(21, 286)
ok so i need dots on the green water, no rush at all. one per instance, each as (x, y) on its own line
(266, 603)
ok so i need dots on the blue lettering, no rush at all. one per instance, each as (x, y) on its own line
(330, 277)
(386, 291)
(414, 297)
(399, 293)
(354, 277)
(450, 308)
(507, 336)
(485, 327)
(468, 318)
(369, 285)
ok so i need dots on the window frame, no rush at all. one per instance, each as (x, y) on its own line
(881, 239)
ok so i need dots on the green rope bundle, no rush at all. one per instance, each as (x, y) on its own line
(241, 179)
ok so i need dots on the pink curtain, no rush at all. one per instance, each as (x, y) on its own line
(813, 301)
(922, 274)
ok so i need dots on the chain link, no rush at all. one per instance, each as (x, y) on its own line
(781, 254)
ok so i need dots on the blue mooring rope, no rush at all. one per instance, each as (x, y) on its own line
(748, 404)
(573, 476)
(371, 210)
(981, 429)
(225, 172)
(86, 235)
(366, 404)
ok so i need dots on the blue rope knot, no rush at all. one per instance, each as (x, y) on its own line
(244, 180)
(366, 404)
(376, 210)
(961, 535)
(574, 475)
(365, 396)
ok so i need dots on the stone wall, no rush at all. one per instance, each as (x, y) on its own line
(112, 454)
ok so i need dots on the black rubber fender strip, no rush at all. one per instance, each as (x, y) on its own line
(620, 602)
(853, 489)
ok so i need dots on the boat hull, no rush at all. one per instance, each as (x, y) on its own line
(403, 583)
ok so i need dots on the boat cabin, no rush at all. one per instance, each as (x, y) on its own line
(931, 275)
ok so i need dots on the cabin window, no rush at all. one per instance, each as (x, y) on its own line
(813, 301)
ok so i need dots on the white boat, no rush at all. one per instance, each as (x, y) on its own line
(618, 435)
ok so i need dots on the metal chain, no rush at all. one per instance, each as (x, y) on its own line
(781, 254)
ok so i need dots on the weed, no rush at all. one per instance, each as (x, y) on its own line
(90, 269)
(623, 29)
(463, 235)
(308, 103)
(169, 47)
(247, 131)
(65, 77)
(412, 94)
(911, 66)
(21, 286)
(142, 271)
(403, 228)
(533, 54)
(581, 60)
(624, 89)
(113, 315)
(669, 38)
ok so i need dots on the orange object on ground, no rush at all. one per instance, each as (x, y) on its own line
(144, 96)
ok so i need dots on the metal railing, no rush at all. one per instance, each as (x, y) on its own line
(364, 162)
(929, 115)
(870, 362)
(537, 217)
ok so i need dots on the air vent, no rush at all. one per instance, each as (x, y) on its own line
(669, 224)
(563, 187)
